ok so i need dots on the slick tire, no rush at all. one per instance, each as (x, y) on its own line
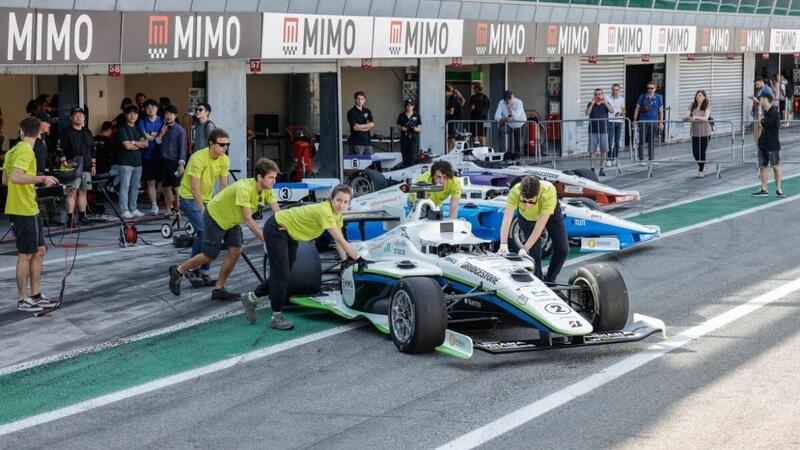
(366, 181)
(585, 201)
(306, 275)
(516, 239)
(585, 173)
(417, 315)
(604, 299)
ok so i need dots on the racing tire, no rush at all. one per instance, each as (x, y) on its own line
(366, 181)
(585, 201)
(417, 315)
(604, 301)
(516, 239)
(584, 173)
(306, 275)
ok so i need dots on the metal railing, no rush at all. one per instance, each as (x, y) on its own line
(788, 136)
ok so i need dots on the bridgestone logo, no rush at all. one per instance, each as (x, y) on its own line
(480, 273)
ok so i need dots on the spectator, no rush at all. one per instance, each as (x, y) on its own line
(699, 113)
(360, 119)
(174, 144)
(151, 126)
(784, 99)
(615, 127)
(649, 108)
(76, 141)
(140, 98)
(202, 126)
(457, 94)
(132, 142)
(769, 147)
(40, 146)
(452, 114)
(511, 115)
(598, 110)
(122, 118)
(410, 126)
(19, 174)
(757, 110)
(106, 149)
(163, 102)
(205, 168)
(479, 105)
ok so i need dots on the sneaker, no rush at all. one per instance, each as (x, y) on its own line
(127, 215)
(760, 193)
(137, 213)
(249, 301)
(642, 164)
(28, 305)
(44, 302)
(602, 172)
(279, 323)
(224, 296)
(701, 174)
(154, 210)
(779, 193)
(609, 163)
(175, 278)
(83, 220)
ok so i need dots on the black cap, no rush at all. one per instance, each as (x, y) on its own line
(409, 101)
(43, 116)
(766, 95)
(77, 109)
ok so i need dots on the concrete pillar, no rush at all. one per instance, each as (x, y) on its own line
(68, 98)
(431, 108)
(749, 63)
(571, 105)
(672, 91)
(497, 85)
(227, 94)
(329, 154)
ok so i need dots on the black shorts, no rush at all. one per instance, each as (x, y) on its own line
(772, 158)
(477, 129)
(28, 231)
(150, 169)
(167, 170)
(213, 236)
(782, 105)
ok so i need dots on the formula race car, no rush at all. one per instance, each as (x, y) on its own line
(483, 166)
(425, 279)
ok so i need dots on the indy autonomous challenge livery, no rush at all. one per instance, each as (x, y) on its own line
(423, 280)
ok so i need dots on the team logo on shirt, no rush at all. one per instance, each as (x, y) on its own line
(158, 37)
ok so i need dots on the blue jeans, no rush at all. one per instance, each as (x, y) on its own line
(196, 219)
(130, 177)
(614, 135)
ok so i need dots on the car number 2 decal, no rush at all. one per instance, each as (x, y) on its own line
(558, 309)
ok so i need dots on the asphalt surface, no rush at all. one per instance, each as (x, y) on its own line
(732, 388)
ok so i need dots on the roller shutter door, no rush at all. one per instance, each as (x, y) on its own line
(693, 76)
(726, 91)
(607, 71)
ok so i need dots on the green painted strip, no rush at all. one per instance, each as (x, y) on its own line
(64, 383)
(385, 274)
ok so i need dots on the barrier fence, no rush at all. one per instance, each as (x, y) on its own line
(789, 137)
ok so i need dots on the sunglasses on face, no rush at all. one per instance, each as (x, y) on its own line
(529, 201)
(222, 144)
(199, 109)
(651, 88)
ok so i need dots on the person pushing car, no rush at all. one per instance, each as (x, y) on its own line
(535, 202)
(282, 234)
(442, 174)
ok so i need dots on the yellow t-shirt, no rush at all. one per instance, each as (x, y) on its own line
(546, 204)
(451, 188)
(208, 170)
(21, 200)
(226, 207)
(306, 223)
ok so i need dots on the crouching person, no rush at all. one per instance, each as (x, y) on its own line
(226, 210)
(283, 232)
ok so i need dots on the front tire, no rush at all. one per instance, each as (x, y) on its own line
(417, 315)
(604, 299)
(516, 239)
(366, 182)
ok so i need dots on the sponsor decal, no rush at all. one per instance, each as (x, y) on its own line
(752, 41)
(572, 189)
(517, 345)
(784, 41)
(305, 36)
(623, 39)
(348, 287)
(715, 40)
(158, 37)
(575, 324)
(498, 38)
(285, 193)
(387, 248)
(450, 260)
(567, 40)
(579, 222)
(557, 309)
(419, 38)
(673, 39)
(473, 303)
(480, 273)
(522, 299)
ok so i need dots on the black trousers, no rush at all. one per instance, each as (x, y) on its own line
(514, 142)
(699, 146)
(558, 235)
(409, 148)
(647, 135)
(282, 252)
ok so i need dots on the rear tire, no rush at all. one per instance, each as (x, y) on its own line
(366, 181)
(417, 315)
(585, 173)
(584, 201)
(306, 275)
(516, 239)
(604, 301)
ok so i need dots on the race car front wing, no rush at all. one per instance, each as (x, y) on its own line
(642, 328)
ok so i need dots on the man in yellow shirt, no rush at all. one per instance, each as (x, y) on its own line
(285, 230)
(442, 174)
(205, 168)
(226, 210)
(535, 203)
(19, 173)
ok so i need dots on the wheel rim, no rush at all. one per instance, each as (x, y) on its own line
(518, 234)
(584, 301)
(360, 186)
(402, 316)
(546, 242)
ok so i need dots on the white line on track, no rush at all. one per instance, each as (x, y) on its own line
(169, 381)
(559, 398)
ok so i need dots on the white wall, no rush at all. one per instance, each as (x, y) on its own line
(173, 85)
(529, 84)
(16, 90)
(266, 94)
(384, 92)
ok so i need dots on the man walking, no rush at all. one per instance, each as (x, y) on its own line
(769, 147)
(598, 111)
(615, 126)
(650, 109)
(360, 119)
(510, 114)
(77, 140)
(173, 156)
(19, 174)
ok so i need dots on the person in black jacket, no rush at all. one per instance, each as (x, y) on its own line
(769, 147)
(77, 140)
(410, 127)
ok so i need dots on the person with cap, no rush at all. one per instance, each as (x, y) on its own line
(77, 141)
(40, 146)
(510, 114)
(479, 105)
(410, 125)
(769, 147)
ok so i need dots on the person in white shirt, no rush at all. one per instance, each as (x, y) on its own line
(615, 129)
(511, 115)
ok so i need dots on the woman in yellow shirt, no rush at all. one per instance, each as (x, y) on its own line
(535, 203)
(282, 233)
